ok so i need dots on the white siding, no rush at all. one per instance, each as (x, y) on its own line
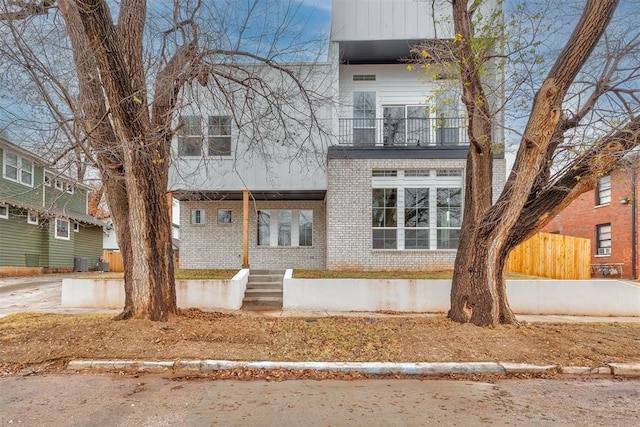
(388, 20)
(394, 85)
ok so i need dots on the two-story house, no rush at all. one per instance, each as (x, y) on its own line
(608, 216)
(44, 225)
(385, 192)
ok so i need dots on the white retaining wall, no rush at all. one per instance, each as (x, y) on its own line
(203, 294)
(568, 297)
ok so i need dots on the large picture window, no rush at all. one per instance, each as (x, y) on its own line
(416, 209)
(18, 169)
(285, 227)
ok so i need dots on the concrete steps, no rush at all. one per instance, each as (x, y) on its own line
(264, 290)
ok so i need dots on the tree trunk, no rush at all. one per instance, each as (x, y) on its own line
(488, 235)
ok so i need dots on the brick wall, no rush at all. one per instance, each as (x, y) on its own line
(582, 216)
(213, 245)
(349, 219)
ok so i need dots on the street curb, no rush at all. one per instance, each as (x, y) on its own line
(370, 368)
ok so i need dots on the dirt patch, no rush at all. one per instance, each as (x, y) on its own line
(30, 339)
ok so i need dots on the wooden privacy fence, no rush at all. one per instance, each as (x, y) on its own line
(114, 259)
(552, 255)
(117, 266)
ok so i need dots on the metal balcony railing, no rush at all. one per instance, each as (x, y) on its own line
(425, 132)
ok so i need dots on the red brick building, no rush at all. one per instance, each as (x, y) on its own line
(608, 216)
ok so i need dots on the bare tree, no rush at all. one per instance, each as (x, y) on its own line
(120, 110)
(581, 122)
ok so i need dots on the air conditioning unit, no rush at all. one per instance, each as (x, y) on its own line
(604, 251)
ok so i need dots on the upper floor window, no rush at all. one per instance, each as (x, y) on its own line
(219, 136)
(47, 180)
(364, 118)
(192, 133)
(603, 191)
(59, 185)
(18, 169)
(603, 236)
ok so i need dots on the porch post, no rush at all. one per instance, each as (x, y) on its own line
(245, 228)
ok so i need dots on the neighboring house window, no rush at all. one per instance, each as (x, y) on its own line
(76, 227)
(384, 218)
(62, 229)
(197, 216)
(603, 192)
(224, 216)
(603, 234)
(449, 214)
(59, 185)
(190, 136)
(219, 135)
(364, 118)
(32, 217)
(47, 180)
(69, 189)
(292, 228)
(18, 169)
(4, 211)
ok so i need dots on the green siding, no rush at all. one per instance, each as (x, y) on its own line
(15, 190)
(18, 239)
(88, 244)
(76, 202)
(60, 251)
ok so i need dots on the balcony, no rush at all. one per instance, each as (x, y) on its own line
(404, 132)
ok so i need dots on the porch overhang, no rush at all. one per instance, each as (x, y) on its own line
(236, 195)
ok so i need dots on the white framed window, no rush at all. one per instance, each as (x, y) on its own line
(197, 216)
(59, 185)
(418, 209)
(32, 217)
(69, 189)
(285, 227)
(603, 237)
(364, 118)
(219, 136)
(47, 180)
(17, 169)
(62, 229)
(224, 216)
(216, 133)
(190, 136)
(76, 227)
(4, 211)
(603, 191)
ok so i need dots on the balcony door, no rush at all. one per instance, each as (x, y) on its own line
(364, 118)
(405, 125)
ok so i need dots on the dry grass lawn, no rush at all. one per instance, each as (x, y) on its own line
(51, 340)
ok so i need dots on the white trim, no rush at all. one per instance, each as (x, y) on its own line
(68, 236)
(32, 218)
(6, 210)
(76, 227)
(19, 169)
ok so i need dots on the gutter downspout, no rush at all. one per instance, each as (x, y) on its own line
(634, 231)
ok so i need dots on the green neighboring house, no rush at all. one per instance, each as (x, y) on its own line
(44, 225)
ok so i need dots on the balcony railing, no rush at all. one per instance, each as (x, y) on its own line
(425, 132)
